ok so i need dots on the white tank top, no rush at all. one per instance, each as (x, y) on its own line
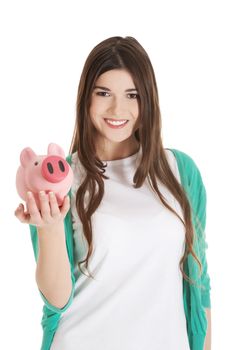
(136, 299)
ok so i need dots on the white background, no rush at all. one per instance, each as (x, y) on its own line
(43, 48)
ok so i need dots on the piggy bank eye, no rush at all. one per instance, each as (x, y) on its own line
(36, 163)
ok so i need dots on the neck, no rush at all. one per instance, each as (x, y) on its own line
(118, 150)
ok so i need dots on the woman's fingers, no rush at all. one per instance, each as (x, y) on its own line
(54, 208)
(66, 205)
(44, 207)
(33, 212)
(21, 214)
(19, 211)
(49, 212)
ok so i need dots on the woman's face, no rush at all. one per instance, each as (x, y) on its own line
(114, 97)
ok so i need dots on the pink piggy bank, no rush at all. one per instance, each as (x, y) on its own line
(47, 173)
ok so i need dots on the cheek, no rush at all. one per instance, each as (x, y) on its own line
(136, 111)
(93, 111)
(97, 105)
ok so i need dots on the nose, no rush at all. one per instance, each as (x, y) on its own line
(118, 107)
(54, 169)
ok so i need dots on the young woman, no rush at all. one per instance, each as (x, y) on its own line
(122, 263)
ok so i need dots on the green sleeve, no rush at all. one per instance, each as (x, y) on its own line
(34, 239)
(200, 203)
(203, 245)
(192, 182)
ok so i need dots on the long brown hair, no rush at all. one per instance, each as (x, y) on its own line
(125, 53)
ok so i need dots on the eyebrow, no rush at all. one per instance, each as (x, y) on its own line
(105, 88)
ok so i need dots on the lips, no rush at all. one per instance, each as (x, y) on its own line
(117, 126)
(115, 120)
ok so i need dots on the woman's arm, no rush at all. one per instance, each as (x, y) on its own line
(207, 345)
(53, 275)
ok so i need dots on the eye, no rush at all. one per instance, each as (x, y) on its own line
(133, 96)
(101, 92)
(36, 163)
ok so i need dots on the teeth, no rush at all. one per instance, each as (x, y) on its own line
(116, 122)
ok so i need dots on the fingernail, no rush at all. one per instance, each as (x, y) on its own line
(42, 193)
(29, 194)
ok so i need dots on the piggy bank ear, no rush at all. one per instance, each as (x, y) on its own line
(26, 156)
(55, 149)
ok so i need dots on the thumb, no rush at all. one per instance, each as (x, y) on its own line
(66, 205)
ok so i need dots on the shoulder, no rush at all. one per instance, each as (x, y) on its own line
(70, 158)
(182, 157)
(77, 167)
(188, 168)
(171, 159)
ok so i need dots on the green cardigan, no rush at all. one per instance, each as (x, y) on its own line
(195, 299)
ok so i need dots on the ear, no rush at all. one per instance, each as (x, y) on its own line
(26, 156)
(55, 149)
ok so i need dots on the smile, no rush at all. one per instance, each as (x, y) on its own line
(116, 124)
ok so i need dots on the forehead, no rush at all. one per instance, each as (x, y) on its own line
(116, 77)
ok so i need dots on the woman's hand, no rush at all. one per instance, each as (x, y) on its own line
(50, 213)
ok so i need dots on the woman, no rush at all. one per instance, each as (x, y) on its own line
(135, 222)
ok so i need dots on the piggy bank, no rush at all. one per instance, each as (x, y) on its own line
(47, 173)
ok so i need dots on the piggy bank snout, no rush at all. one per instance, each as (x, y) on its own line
(54, 169)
